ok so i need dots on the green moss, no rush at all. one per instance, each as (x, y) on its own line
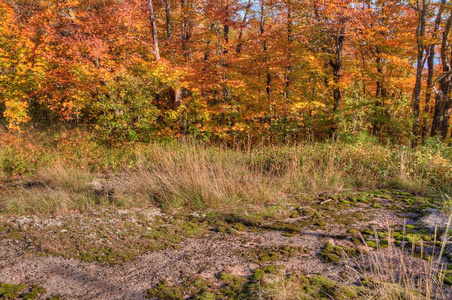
(164, 291)
(189, 229)
(271, 256)
(294, 214)
(384, 243)
(383, 194)
(333, 254)
(307, 211)
(448, 277)
(322, 283)
(38, 289)
(412, 238)
(259, 273)
(288, 229)
(372, 244)
(239, 227)
(239, 287)
(204, 296)
(29, 295)
(232, 284)
(427, 237)
(10, 295)
(365, 281)
(397, 235)
(424, 231)
(108, 243)
(368, 232)
(353, 232)
(382, 235)
(11, 291)
(348, 292)
(247, 220)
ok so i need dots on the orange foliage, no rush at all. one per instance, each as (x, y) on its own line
(229, 69)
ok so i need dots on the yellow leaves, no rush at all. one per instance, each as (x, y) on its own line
(309, 105)
(15, 66)
(240, 127)
(173, 115)
(16, 112)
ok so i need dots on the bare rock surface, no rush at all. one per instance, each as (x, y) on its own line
(75, 279)
(23, 259)
(434, 219)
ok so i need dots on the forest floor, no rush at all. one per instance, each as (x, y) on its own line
(313, 248)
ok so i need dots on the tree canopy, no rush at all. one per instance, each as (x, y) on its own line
(281, 69)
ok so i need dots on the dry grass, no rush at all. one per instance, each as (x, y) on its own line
(390, 273)
(55, 189)
(197, 177)
(397, 273)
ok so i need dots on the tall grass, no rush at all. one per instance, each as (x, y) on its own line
(392, 274)
(395, 273)
(197, 177)
(53, 189)
(193, 176)
(389, 273)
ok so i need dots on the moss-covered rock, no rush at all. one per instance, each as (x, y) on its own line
(331, 253)
(165, 291)
(12, 291)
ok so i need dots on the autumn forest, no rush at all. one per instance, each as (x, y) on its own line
(283, 70)
(226, 149)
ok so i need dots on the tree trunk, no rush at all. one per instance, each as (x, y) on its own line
(337, 69)
(169, 31)
(428, 109)
(336, 65)
(208, 42)
(154, 30)
(441, 117)
(420, 36)
(238, 50)
(265, 48)
(226, 91)
(380, 94)
(187, 26)
(443, 105)
(287, 78)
